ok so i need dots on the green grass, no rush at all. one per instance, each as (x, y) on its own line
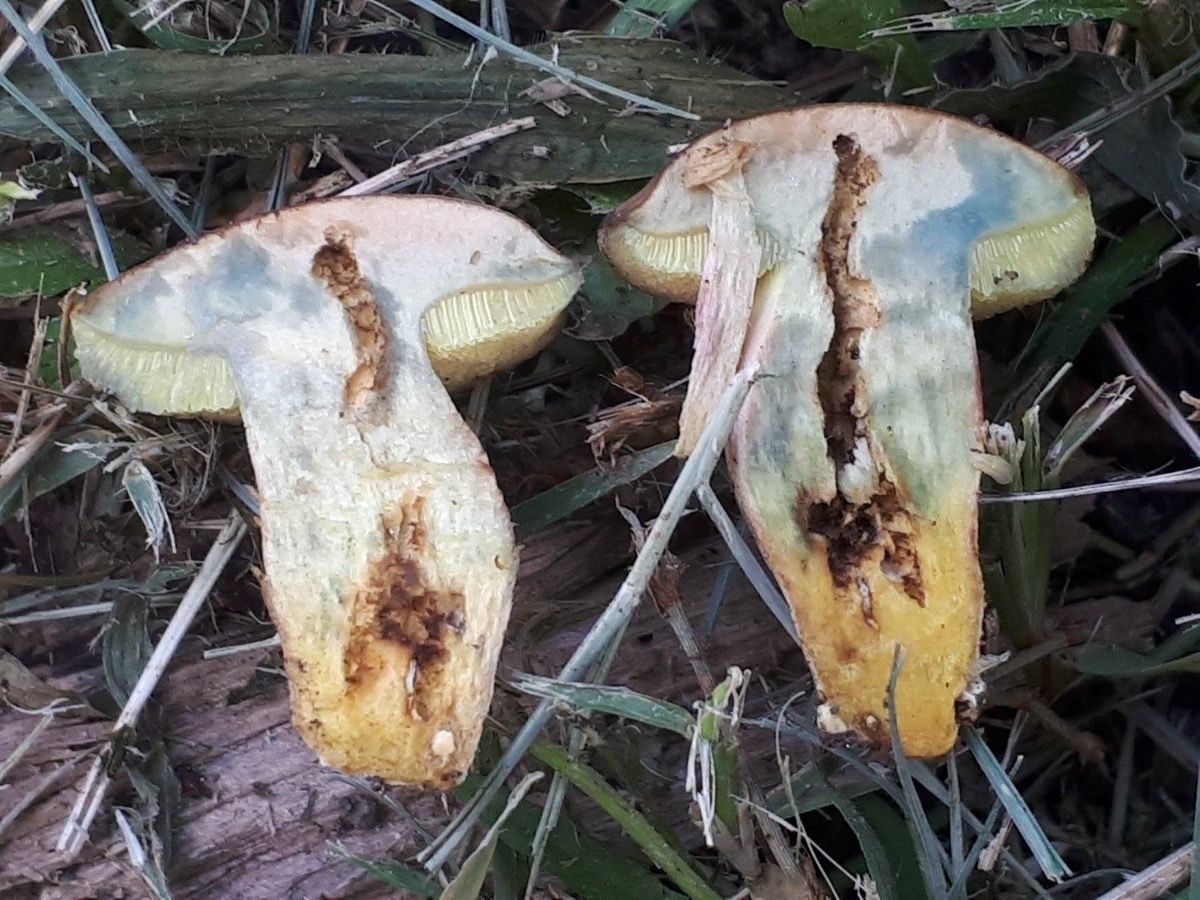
(1099, 652)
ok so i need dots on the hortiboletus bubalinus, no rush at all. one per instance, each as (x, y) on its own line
(388, 550)
(845, 249)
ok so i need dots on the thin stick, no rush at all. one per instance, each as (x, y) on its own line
(1151, 390)
(210, 570)
(233, 649)
(57, 130)
(22, 748)
(522, 55)
(64, 210)
(103, 244)
(696, 471)
(28, 448)
(76, 828)
(36, 24)
(48, 780)
(1183, 476)
(1157, 879)
(31, 366)
(438, 156)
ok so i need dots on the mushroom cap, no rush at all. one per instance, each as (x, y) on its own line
(488, 302)
(658, 239)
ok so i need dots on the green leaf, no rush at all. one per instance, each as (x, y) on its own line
(589, 869)
(158, 789)
(50, 470)
(876, 857)
(394, 874)
(10, 193)
(49, 261)
(843, 25)
(1086, 304)
(1115, 661)
(1020, 536)
(641, 18)
(895, 838)
(607, 304)
(678, 868)
(1015, 14)
(562, 500)
(1048, 859)
(617, 701)
(468, 884)
(126, 647)
(249, 33)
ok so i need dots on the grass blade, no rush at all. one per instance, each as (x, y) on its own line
(616, 701)
(637, 826)
(562, 500)
(1047, 857)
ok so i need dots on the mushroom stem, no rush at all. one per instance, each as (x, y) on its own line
(870, 523)
(378, 623)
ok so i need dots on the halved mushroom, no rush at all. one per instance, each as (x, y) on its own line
(873, 234)
(388, 549)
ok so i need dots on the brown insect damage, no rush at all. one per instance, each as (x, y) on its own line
(873, 518)
(336, 265)
(398, 618)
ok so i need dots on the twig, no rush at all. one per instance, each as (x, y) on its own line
(338, 155)
(1156, 880)
(696, 471)
(552, 806)
(1151, 390)
(64, 210)
(210, 570)
(438, 156)
(107, 258)
(1183, 476)
(76, 828)
(522, 55)
(231, 650)
(31, 367)
(48, 781)
(27, 449)
(36, 24)
(22, 748)
(54, 128)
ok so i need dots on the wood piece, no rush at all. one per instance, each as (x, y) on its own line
(259, 817)
(257, 104)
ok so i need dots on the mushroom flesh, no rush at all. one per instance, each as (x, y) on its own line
(388, 550)
(866, 237)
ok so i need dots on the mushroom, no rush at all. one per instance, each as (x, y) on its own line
(845, 249)
(388, 550)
